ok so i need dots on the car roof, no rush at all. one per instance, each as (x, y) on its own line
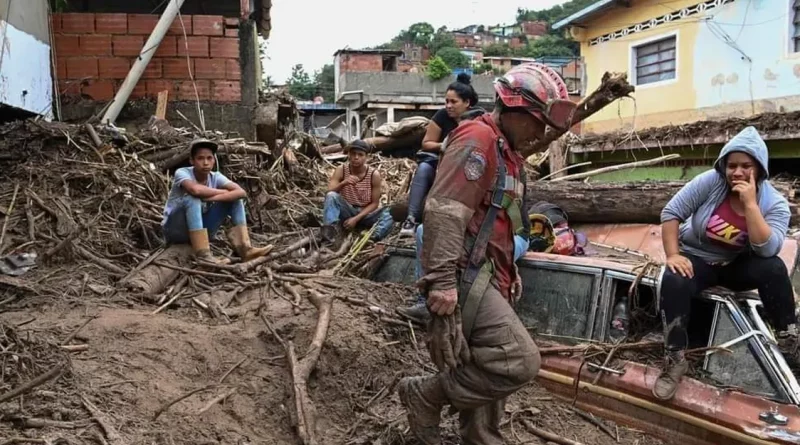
(626, 247)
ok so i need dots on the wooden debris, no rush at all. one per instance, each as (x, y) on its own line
(38, 381)
(546, 435)
(304, 410)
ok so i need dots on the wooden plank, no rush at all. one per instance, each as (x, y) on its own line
(161, 108)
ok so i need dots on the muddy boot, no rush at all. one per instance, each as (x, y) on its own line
(201, 248)
(789, 347)
(419, 311)
(240, 238)
(423, 398)
(667, 383)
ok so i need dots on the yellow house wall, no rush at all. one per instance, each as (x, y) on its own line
(714, 80)
(615, 56)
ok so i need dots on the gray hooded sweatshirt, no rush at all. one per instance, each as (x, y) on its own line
(696, 202)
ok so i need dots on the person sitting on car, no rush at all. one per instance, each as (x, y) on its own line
(460, 98)
(725, 228)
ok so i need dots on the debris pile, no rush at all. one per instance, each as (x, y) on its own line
(217, 355)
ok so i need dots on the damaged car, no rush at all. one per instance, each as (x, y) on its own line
(595, 317)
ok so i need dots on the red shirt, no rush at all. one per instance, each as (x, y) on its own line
(727, 228)
(459, 200)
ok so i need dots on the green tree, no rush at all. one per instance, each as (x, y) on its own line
(419, 34)
(438, 69)
(324, 81)
(442, 39)
(497, 50)
(549, 45)
(454, 58)
(300, 84)
(555, 13)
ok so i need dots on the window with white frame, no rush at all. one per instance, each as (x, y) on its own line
(655, 61)
(795, 28)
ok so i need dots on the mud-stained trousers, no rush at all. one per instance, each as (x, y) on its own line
(504, 359)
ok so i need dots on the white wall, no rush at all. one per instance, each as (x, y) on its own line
(25, 61)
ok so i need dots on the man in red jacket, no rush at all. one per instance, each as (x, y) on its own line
(481, 348)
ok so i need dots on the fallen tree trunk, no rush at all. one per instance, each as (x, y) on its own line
(620, 202)
(612, 87)
(154, 279)
(386, 144)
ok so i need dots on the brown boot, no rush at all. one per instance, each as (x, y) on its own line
(240, 238)
(667, 383)
(423, 398)
(200, 246)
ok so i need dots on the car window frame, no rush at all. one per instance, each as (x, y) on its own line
(597, 277)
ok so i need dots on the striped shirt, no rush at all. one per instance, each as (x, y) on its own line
(359, 194)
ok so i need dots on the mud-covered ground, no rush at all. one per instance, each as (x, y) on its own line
(135, 362)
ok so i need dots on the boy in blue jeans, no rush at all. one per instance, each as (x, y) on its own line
(199, 202)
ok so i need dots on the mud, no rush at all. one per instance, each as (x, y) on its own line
(136, 362)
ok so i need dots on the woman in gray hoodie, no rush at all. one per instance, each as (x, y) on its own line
(725, 228)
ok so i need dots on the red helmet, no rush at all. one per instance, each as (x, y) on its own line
(538, 89)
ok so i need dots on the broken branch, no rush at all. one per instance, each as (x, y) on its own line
(42, 379)
(546, 435)
(614, 168)
(613, 86)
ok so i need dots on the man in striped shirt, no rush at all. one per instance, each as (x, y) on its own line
(353, 199)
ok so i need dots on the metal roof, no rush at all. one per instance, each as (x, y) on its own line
(588, 12)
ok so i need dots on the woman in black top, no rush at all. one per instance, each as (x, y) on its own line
(459, 99)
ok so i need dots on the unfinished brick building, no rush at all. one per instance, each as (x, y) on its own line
(210, 53)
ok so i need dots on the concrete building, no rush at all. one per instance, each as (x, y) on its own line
(25, 60)
(368, 82)
(690, 61)
(321, 119)
(534, 29)
(217, 61)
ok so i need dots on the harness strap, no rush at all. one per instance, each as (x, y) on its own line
(477, 253)
(474, 296)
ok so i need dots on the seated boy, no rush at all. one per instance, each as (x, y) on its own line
(199, 201)
(354, 195)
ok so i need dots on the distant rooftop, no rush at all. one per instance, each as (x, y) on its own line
(388, 52)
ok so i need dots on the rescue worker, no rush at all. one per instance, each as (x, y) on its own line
(354, 197)
(472, 214)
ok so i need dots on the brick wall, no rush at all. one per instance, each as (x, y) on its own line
(361, 63)
(94, 53)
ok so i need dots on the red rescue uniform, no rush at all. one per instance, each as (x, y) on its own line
(458, 201)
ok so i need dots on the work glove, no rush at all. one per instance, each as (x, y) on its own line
(516, 287)
(446, 342)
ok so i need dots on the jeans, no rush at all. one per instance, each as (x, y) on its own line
(189, 215)
(521, 246)
(768, 275)
(420, 185)
(336, 209)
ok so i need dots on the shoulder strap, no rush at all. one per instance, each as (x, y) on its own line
(477, 254)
